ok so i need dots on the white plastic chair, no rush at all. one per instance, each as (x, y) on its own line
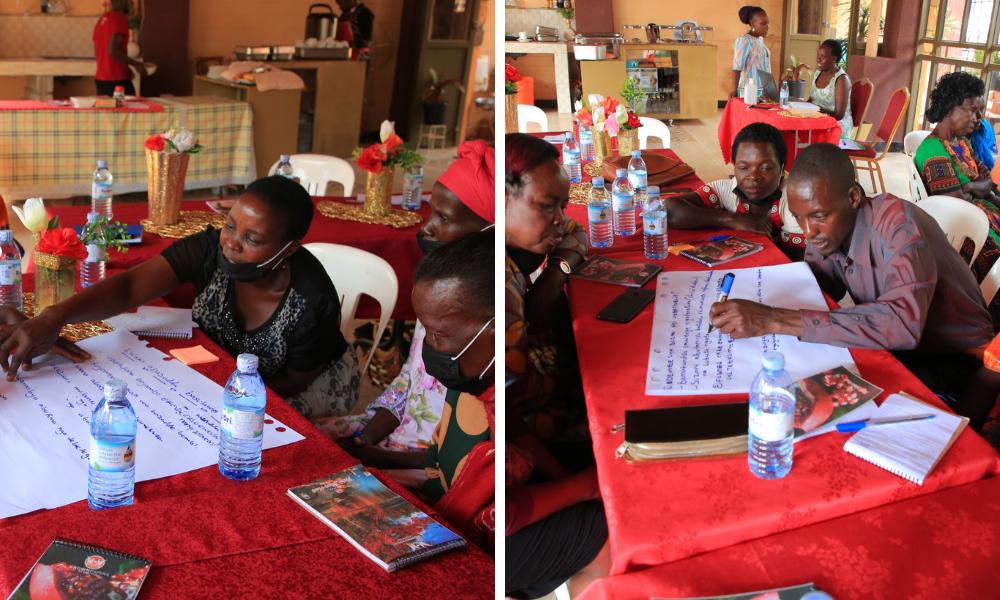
(991, 283)
(959, 220)
(314, 171)
(911, 142)
(656, 128)
(527, 113)
(355, 272)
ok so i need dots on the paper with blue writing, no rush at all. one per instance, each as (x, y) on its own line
(684, 359)
(45, 415)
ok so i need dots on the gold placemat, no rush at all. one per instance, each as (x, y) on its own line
(73, 333)
(398, 219)
(191, 222)
(791, 115)
(578, 191)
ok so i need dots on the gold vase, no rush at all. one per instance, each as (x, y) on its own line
(166, 185)
(510, 113)
(602, 147)
(55, 279)
(628, 140)
(378, 192)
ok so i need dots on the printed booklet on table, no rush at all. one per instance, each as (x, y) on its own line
(67, 568)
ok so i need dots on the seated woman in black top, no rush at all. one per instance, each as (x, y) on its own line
(258, 291)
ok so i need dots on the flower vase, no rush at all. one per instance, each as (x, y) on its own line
(510, 113)
(166, 185)
(378, 192)
(628, 140)
(602, 147)
(55, 279)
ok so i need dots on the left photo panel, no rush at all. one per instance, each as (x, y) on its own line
(247, 315)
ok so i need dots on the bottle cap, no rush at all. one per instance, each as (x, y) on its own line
(597, 182)
(93, 217)
(6, 236)
(621, 173)
(653, 190)
(120, 87)
(102, 164)
(773, 361)
(246, 362)
(284, 158)
(636, 154)
(114, 389)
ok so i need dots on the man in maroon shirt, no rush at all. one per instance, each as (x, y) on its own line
(110, 44)
(913, 293)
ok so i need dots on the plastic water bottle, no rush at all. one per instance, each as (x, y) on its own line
(654, 226)
(284, 167)
(92, 270)
(413, 187)
(112, 449)
(102, 191)
(637, 176)
(599, 215)
(624, 202)
(242, 432)
(783, 96)
(10, 272)
(772, 419)
(586, 143)
(571, 159)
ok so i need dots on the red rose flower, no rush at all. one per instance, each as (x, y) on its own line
(633, 121)
(511, 74)
(392, 142)
(372, 158)
(156, 143)
(62, 242)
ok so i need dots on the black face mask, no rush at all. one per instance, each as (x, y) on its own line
(244, 271)
(444, 367)
(527, 262)
(427, 246)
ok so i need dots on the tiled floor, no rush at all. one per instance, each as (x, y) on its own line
(700, 149)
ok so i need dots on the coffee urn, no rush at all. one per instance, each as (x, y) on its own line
(320, 25)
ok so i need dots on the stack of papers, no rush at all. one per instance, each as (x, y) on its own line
(156, 321)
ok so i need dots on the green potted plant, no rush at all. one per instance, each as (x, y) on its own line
(435, 106)
(98, 235)
(794, 77)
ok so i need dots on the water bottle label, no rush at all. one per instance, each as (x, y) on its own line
(242, 424)
(101, 190)
(111, 457)
(598, 215)
(771, 427)
(571, 157)
(624, 202)
(654, 225)
(586, 137)
(94, 254)
(638, 179)
(10, 272)
(415, 181)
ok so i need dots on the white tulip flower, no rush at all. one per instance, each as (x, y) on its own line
(33, 216)
(388, 128)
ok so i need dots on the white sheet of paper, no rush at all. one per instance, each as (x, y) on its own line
(803, 105)
(685, 359)
(154, 318)
(45, 414)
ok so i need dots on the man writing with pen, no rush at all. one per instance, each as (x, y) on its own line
(913, 294)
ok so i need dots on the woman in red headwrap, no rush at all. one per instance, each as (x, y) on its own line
(397, 427)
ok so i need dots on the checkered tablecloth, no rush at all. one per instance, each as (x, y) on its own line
(54, 153)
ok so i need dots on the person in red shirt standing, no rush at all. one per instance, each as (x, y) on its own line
(110, 43)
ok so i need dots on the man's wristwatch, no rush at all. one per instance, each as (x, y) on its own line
(563, 264)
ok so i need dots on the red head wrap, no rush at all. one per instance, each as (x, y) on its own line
(471, 178)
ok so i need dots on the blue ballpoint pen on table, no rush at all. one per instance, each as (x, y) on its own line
(727, 284)
(717, 238)
(859, 425)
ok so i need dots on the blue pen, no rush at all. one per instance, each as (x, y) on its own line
(859, 425)
(727, 284)
(717, 238)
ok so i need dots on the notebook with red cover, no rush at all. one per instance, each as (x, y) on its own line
(70, 569)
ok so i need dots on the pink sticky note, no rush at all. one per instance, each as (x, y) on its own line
(194, 356)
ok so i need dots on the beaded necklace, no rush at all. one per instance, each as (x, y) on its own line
(966, 163)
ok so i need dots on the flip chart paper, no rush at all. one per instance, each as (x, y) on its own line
(685, 359)
(45, 421)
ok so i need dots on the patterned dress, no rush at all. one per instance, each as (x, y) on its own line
(750, 56)
(724, 195)
(826, 98)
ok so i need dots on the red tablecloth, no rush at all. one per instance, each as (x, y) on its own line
(943, 545)
(660, 512)
(738, 115)
(397, 246)
(208, 536)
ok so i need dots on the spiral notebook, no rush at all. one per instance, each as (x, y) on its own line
(910, 449)
(66, 565)
(380, 523)
(156, 321)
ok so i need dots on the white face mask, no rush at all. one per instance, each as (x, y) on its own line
(246, 271)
